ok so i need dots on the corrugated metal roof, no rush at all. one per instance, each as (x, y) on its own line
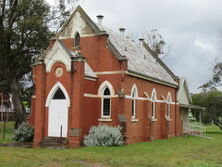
(139, 59)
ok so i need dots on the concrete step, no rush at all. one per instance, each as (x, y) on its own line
(53, 141)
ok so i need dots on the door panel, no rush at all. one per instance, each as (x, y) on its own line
(58, 116)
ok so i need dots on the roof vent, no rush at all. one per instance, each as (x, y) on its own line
(122, 31)
(141, 41)
(100, 19)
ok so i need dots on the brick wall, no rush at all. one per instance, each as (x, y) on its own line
(85, 112)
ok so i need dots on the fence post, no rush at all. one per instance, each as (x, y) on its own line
(2, 124)
(4, 127)
(61, 131)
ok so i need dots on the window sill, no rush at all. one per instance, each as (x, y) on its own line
(168, 119)
(76, 47)
(134, 120)
(105, 120)
(153, 119)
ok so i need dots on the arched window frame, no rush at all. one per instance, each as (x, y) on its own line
(134, 95)
(153, 101)
(77, 40)
(105, 98)
(169, 101)
(103, 86)
(53, 91)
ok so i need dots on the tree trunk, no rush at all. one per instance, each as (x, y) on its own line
(218, 123)
(220, 126)
(19, 109)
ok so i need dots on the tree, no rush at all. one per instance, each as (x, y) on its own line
(24, 33)
(60, 11)
(156, 42)
(216, 80)
(212, 101)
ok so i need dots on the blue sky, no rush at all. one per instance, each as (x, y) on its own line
(192, 29)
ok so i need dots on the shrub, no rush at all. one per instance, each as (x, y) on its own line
(25, 133)
(104, 136)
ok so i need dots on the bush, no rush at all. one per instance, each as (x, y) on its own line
(25, 133)
(104, 136)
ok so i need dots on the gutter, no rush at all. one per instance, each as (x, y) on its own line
(191, 106)
(149, 78)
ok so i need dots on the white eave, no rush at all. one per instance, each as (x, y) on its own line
(89, 72)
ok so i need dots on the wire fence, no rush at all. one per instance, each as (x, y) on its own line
(6, 132)
(6, 114)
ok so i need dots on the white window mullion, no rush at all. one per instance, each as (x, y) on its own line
(106, 96)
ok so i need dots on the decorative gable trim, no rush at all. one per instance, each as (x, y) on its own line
(86, 18)
(53, 56)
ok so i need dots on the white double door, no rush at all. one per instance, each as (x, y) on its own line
(58, 118)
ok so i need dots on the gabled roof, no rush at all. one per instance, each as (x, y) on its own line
(88, 70)
(184, 97)
(71, 54)
(183, 85)
(93, 26)
(140, 59)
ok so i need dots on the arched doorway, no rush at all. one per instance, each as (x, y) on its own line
(58, 112)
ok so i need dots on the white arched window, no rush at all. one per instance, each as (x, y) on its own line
(169, 100)
(77, 40)
(134, 94)
(106, 91)
(106, 102)
(57, 92)
(153, 101)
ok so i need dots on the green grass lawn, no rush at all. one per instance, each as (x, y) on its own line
(174, 152)
(9, 132)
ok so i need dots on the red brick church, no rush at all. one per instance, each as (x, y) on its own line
(90, 75)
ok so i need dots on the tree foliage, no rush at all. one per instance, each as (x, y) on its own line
(216, 80)
(60, 11)
(23, 34)
(25, 29)
(157, 43)
(212, 101)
